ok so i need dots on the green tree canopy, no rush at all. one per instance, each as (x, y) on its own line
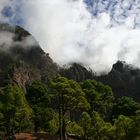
(39, 99)
(123, 126)
(69, 97)
(125, 106)
(71, 92)
(14, 108)
(99, 96)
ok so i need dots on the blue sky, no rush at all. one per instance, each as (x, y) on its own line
(119, 10)
(7, 11)
(10, 12)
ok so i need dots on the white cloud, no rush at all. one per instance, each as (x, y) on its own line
(6, 39)
(67, 30)
(27, 42)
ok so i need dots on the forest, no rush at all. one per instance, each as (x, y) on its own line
(86, 110)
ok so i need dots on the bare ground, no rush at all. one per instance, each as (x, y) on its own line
(34, 136)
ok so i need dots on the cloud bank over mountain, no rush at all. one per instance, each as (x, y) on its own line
(15, 36)
(95, 33)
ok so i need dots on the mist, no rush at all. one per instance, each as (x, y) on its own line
(68, 31)
(7, 41)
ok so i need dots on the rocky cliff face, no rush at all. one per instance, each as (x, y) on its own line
(77, 72)
(124, 80)
(21, 58)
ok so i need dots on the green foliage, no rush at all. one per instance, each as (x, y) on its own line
(125, 106)
(99, 96)
(45, 119)
(71, 92)
(14, 108)
(96, 128)
(69, 97)
(39, 99)
(123, 127)
(85, 123)
(37, 95)
(53, 124)
(74, 128)
(83, 110)
(134, 133)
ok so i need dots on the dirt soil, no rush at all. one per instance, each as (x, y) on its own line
(33, 136)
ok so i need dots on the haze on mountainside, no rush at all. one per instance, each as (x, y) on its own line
(22, 61)
(95, 33)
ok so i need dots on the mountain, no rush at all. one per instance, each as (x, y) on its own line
(21, 58)
(124, 80)
(76, 72)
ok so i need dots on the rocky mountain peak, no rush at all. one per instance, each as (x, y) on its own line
(119, 66)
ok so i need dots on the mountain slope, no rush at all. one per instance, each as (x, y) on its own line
(77, 72)
(21, 58)
(124, 80)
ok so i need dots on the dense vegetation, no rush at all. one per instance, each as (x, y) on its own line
(86, 110)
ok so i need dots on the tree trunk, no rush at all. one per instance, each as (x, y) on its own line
(64, 130)
(8, 129)
(60, 123)
(35, 127)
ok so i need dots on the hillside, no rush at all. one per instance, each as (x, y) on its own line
(21, 58)
(77, 72)
(124, 80)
